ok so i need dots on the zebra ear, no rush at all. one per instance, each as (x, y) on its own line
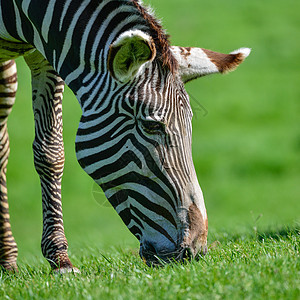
(198, 62)
(128, 53)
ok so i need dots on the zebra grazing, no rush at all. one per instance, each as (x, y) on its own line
(134, 136)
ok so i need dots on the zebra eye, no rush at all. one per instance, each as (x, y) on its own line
(153, 127)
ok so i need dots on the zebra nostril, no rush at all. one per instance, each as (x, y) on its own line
(149, 248)
(148, 253)
(187, 254)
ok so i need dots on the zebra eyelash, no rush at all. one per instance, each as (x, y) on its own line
(153, 127)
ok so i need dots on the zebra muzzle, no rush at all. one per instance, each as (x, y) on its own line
(152, 257)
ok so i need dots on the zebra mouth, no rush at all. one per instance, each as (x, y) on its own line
(154, 259)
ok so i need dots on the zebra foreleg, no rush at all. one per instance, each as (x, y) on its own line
(8, 88)
(48, 148)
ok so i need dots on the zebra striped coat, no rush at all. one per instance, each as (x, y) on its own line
(134, 136)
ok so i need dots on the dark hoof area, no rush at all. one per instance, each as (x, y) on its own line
(9, 267)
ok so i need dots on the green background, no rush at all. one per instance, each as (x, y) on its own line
(246, 133)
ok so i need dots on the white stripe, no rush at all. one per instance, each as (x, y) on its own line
(47, 20)
(37, 42)
(66, 6)
(25, 6)
(18, 23)
(91, 136)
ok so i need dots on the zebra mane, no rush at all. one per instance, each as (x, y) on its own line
(160, 38)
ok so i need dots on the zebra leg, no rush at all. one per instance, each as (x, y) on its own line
(48, 148)
(8, 88)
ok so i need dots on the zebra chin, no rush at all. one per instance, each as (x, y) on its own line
(155, 258)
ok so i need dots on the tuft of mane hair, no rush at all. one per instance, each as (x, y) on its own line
(159, 36)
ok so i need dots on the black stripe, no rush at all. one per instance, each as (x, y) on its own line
(6, 65)
(134, 177)
(9, 18)
(156, 208)
(152, 224)
(122, 196)
(127, 158)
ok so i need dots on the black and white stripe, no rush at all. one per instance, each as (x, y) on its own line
(134, 136)
(8, 88)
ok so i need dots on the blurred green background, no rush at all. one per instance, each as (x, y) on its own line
(246, 133)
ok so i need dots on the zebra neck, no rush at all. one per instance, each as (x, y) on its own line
(75, 35)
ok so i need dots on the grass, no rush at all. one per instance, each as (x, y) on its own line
(246, 150)
(245, 267)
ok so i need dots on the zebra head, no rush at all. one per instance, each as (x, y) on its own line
(136, 144)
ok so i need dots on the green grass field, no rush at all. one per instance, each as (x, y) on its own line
(246, 149)
(237, 268)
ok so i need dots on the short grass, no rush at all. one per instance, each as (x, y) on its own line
(237, 267)
(246, 149)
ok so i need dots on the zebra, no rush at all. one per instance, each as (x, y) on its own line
(134, 135)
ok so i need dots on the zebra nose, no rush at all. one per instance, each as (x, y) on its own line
(148, 253)
(147, 250)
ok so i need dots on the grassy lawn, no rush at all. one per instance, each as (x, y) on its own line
(245, 267)
(246, 149)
